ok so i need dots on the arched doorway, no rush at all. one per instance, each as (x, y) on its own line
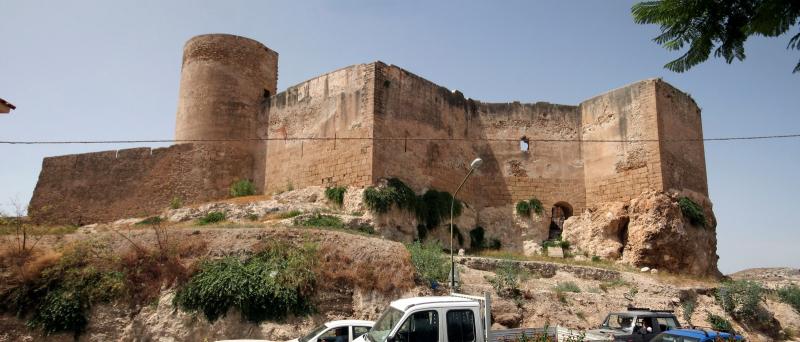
(561, 212)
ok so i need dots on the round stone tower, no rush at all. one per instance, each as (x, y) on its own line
(226, 81)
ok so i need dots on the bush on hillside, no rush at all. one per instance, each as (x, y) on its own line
(692, 211)
(336, 194)
(242, 188)
(268, 286)
(430, 263)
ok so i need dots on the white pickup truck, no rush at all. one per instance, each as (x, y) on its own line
(453, 318)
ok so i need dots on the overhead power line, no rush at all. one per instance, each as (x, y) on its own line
(65, 142)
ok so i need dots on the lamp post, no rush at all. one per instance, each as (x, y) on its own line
(472, 166)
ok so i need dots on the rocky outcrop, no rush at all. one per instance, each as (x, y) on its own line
(650, 231)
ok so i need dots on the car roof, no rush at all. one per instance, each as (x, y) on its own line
(406, 303)
(697, 333)
(346, 322)
(644, 313)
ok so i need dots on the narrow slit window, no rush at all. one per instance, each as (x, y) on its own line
(524, 144)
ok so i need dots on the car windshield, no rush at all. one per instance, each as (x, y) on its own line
(313, 333)
(384, 325)
(667, 337)
(616, 321)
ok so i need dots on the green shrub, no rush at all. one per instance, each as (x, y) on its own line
(62, 295)
(336, 194)
(379, 200)
(595, 258)
(320, 220)
(211, 217)
(431, 208)
(434, 207)
(477, 239)
(429, 261)
(175, 203)
(367, 229)
(507, 279)
(242, 187)
(605, 286)
(403, 196)
(567, 286)
(741, 299)
(564, 244)
(252, 217)
(523, 208)
(719, 323)
(688, 305)
(268, 286)
(289, 214)
(536, 206)
(150, 221)
(692, 211)
(790, 294)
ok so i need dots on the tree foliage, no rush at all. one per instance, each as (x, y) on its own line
(721, 26)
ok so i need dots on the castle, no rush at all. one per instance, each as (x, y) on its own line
(363, 123)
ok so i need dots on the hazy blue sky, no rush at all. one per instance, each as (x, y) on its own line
(110, 70)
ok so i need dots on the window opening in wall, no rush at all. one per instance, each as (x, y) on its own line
(524, 143)
(561, 212)
(265, 97)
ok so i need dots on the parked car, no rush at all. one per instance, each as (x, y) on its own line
(453, 318)
(333, 331)
(337, 331)
(637, 324)
(695, 335)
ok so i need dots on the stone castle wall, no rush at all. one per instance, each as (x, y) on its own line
(683, 162)
(430, 134)
(335, 105)
(363, 123)
(105, 186)
(621, 171)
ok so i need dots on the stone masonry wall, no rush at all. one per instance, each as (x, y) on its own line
(335, 105)
(428, 135)
(104, 186)
(681, 130)
(621, 171)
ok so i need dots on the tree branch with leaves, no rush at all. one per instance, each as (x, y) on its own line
(718, 26)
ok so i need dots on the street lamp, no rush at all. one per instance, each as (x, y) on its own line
(472, 166)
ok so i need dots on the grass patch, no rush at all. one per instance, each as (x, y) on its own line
(242, 187)
(175, 203)
(320, 220)
(507, 279)
(288, 214)
(790, 294)
(336, 194)
(719, 323)
(268, 286)
(428, 260)
(211, 217)
(567, 286)
(692, 211)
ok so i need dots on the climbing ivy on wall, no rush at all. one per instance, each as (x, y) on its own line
(431, 208)
(692, 211)
(524, 208)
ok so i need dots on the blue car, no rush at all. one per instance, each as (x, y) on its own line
(693, 335)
